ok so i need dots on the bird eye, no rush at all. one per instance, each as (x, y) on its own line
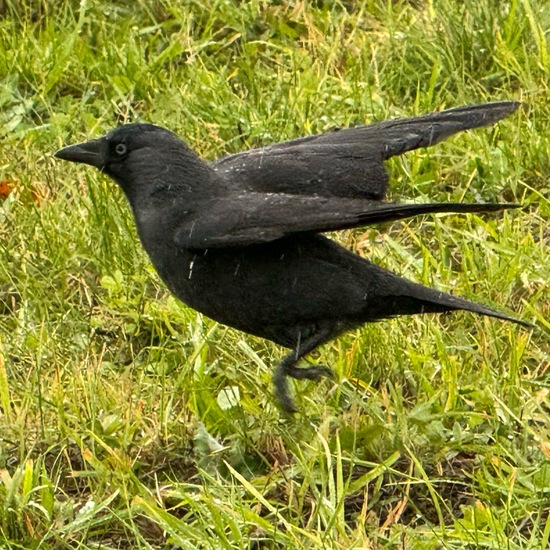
(121, 149)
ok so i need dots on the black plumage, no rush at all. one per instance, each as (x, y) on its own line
(239, 239)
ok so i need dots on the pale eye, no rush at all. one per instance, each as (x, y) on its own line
(121, 149)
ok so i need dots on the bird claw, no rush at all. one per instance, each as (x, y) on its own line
(313, 373)
(282, 392)
(280, 381)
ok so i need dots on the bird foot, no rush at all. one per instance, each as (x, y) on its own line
(282, 392)
(280, 381)
(314, 372)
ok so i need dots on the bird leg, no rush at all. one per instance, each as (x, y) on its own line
(287, 367)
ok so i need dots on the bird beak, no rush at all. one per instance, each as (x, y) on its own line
(90, 152)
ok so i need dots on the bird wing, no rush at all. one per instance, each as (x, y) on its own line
(254, 218)
(349, 163)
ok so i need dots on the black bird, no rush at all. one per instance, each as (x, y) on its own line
(238, 240)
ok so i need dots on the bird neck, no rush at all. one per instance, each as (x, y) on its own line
(179, 179)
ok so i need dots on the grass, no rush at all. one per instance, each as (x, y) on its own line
(130, 421)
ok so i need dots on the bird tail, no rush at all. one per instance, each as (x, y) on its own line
(446, 302)
(399, 136)
(408, 298)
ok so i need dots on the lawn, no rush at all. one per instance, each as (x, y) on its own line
(128, 420)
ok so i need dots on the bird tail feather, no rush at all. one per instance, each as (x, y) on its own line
(418, 299)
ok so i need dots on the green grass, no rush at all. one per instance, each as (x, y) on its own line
(118, 423)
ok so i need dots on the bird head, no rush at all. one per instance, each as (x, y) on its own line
(143, 159)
